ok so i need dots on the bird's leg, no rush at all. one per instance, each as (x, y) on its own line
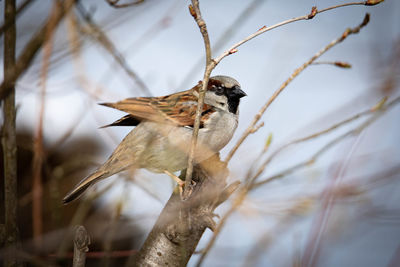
(180, 183)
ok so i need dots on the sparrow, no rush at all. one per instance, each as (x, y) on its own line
(161, 140)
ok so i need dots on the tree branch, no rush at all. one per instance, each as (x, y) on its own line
(258, 116)
(95, 32)
(9, 141)
(33, 46)
(195, 12)
(114, 3)
(9, 22)
(181, 224)
(247, 186)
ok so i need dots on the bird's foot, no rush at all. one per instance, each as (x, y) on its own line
(181, 184)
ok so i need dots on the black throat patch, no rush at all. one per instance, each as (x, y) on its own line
(233, 104)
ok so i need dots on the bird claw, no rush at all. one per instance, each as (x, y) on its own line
(189, 190)
(181, 185)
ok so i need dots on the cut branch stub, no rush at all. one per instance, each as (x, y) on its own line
(81, 243)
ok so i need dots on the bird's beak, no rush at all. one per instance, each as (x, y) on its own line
(239, 92)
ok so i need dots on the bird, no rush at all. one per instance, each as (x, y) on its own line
(161, 140)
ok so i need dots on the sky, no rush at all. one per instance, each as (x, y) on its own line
(160, 41)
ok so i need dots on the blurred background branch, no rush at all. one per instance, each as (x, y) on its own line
(10, 236)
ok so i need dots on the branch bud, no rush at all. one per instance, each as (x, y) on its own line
(342, 64)
(262, 28)
(314, 11)
(232, 51)
(373, 2)
(192, 12)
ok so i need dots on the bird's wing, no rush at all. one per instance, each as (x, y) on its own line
(179, 109)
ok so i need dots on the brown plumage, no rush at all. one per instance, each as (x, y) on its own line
(162, 138)
(178, 109)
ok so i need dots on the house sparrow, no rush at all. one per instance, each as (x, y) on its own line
(161, 140)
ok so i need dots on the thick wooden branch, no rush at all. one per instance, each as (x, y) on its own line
(181, 224)
(9, 141)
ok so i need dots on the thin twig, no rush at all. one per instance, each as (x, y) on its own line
(33, 46)
(244, 16)
(313, 13)
(249, 130)
(96, 33)
(38, 152)
(114, 3)
(318, 228)
(244, 190)
(321, 151)
(195, 12)
(325, 131)
(340, 64)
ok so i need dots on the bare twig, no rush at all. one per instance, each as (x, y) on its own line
(378, 106)
(114, 3)
(81, 243)
(9, 22)
(339, 64)
(195, 12)
(249, 186)
(33, 46)
(212, 63)
(9, 142)
(312, 250)
(96, 33)
(245, 15)
(38, 151)
(249, 130)
(327, 146)
(159, 25)
(245, 189)
(313, 13)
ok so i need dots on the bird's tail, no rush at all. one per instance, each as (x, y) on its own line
(84, 184)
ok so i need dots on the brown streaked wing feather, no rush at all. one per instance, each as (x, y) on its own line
(139, 108)
(127, 120)
(179, 108)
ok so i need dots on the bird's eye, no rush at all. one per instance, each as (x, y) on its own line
(219, 91)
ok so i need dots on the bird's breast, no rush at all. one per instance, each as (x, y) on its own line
(170, 149)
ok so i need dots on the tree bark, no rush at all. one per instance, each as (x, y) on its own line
(9, 142)
(181, 224)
